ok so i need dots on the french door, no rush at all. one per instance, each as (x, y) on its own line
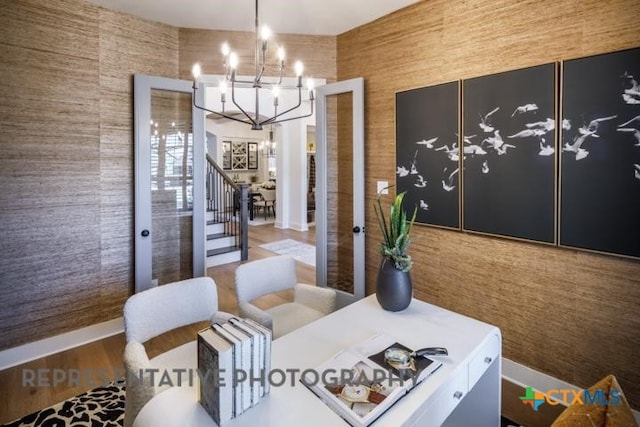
(169, 182)
(340, 237)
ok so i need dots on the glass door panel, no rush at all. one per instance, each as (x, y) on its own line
(171, 186)
(340, 189)
(169, 182)
(339, 192)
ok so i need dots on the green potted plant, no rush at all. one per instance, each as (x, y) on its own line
(393, 286)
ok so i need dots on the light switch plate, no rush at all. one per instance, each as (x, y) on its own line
(382, 187)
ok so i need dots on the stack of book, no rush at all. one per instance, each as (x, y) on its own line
(234, 359)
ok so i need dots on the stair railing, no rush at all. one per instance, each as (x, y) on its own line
(229, 203)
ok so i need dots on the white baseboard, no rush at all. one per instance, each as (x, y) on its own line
(526, 377)
(35, 350)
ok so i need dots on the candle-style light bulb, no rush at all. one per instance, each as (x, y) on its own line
(276, 94)
(299, 67)
(223, 91)
(310, 87)
(196, 71)
(281, 55)
(265, 33)
(225, 49)
(233, 60)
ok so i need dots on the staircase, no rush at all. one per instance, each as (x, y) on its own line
(227, 218)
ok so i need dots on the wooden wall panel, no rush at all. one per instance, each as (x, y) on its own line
(571, 314)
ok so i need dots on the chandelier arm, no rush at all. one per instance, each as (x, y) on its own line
(248, 83)
(254, 123)
(291, 118)
(217, 113)
(271, 120)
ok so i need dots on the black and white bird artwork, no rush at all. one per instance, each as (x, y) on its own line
(448, 185)
(427, 142)
(576, 147)
(547, 125)
(636, 134)
(452, 152)
(524, 109)
(423, 205)
(485, 167)
(485, 123)
(494, 141)
(473, 150)
(545, 150)
(628, 122)
(594, 124)
(420, 182)
(401, 171)
(526, 133)
(631, 94)
(637, 170)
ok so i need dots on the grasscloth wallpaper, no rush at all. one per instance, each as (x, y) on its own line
(66, 168)
(66, 152)
(571, 314)
(66, 161)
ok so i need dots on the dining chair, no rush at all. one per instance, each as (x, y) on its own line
(154, 312)
(267, 201)
(258, 278)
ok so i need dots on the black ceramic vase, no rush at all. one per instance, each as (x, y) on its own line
(393, 287)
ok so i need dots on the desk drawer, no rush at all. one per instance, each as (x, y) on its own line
(483, 359)
(448, 397)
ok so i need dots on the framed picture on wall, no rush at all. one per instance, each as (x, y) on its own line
(600, 158)
(239, 155)
(252, 152)
(428, 153)
(509, 154)
(226, 155)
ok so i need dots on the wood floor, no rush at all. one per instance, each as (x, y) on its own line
(101, 361)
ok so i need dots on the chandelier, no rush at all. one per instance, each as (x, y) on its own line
(268, 146)
(230, 60)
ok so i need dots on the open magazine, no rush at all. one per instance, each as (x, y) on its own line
(360, 383)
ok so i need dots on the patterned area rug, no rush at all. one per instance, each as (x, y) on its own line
(300, 251)
(100, 407)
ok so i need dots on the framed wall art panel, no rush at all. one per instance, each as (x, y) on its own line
(509, 154)
(600, 159)
(428, 154)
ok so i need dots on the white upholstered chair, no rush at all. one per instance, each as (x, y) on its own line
(258, 278)
(151, 313)
(267, 201)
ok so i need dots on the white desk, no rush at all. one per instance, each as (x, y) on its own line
(465, 391)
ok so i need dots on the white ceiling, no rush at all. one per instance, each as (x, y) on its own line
(318, 17)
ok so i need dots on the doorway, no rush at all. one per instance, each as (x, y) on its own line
(169, 182)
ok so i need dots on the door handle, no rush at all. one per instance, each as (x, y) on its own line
(145, 233)
(356, 229)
